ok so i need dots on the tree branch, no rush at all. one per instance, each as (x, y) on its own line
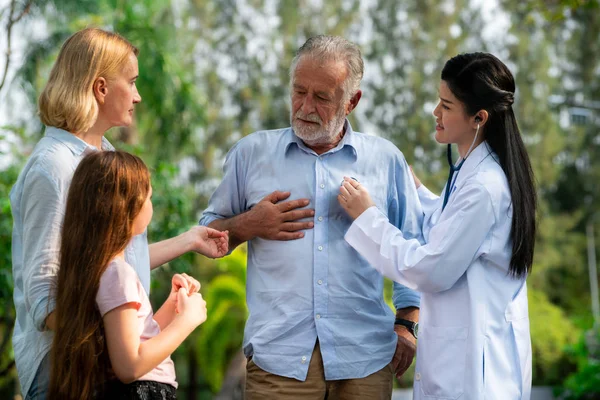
(24, 12)
(9, 25)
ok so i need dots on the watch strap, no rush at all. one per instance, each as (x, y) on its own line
(410, 325)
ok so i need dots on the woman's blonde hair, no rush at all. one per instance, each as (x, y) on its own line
(68, 101)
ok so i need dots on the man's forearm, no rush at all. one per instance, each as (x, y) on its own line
(241, 228)
(409, 313)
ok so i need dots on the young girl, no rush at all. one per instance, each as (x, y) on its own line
(474, 340)
(108, 343)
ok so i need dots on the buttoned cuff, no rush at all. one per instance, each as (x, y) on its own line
(207, 219)
(404, 297)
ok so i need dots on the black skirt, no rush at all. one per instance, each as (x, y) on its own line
(138, 390)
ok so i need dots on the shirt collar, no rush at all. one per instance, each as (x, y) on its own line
(75, 144)
(479, 153)
(347, 140)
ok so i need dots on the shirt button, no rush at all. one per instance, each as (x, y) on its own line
(318, 316)
(303, 359)
(320, 248)
(418, 376)
(320, 282)
(322, 186)
(320, 218)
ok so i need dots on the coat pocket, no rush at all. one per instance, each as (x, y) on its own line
(442, 361)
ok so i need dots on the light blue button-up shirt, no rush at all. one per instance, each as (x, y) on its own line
(317, 286)
(38, 201)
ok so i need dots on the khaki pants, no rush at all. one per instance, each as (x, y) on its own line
(261, 385)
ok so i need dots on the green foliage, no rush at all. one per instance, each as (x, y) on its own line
(7, 311)
(560, 10)
(221, 335)
(8, 177)
(552, 332)
(585, 383)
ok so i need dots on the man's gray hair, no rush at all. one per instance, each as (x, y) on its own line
(334, 48)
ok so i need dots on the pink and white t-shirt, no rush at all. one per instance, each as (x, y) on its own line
(120, 285)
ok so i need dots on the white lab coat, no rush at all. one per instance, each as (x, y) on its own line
(474, 340)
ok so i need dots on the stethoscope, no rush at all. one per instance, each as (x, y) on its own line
(455, 168)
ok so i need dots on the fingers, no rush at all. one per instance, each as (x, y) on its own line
(223, 246)
(182, 295)
(415, 178)
(289, 235)
(292, 204)
(277, 196)
(213, 233)
(405, 352)
(403, 365)
(296, 226)
(350, 188)
(395, 362)
(193, 284)
(184, 281)
(344, 192)
(179, 281)
(298, 214)
(354, 183)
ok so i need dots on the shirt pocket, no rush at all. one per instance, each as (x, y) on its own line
(442, 361)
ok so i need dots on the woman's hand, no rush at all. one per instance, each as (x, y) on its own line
(417, 181)
(208, 242)
(354, 198)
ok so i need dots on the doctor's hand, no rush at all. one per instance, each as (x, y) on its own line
(416, 179)
(406, 349)
(354, 198)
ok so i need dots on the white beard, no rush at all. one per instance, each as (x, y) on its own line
(318, 134)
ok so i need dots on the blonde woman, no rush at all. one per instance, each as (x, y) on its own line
(90, 90)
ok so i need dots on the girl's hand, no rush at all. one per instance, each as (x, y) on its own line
(208, 242)
(354, 198)
(183, 281)
(417, 181)
(191, 307)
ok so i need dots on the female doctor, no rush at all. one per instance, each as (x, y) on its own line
(474, 340)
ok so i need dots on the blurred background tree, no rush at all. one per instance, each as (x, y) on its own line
(213, 71)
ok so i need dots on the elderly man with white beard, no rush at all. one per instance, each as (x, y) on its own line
(318, 327)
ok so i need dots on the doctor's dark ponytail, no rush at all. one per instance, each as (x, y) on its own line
(483, 82)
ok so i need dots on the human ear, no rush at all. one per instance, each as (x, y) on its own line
(100, 89)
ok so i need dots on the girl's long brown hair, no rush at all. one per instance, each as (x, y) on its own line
(107, 192)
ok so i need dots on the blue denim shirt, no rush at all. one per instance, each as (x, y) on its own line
(38, 201)
(317, 286)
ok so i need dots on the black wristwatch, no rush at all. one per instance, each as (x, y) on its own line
(412, 326)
